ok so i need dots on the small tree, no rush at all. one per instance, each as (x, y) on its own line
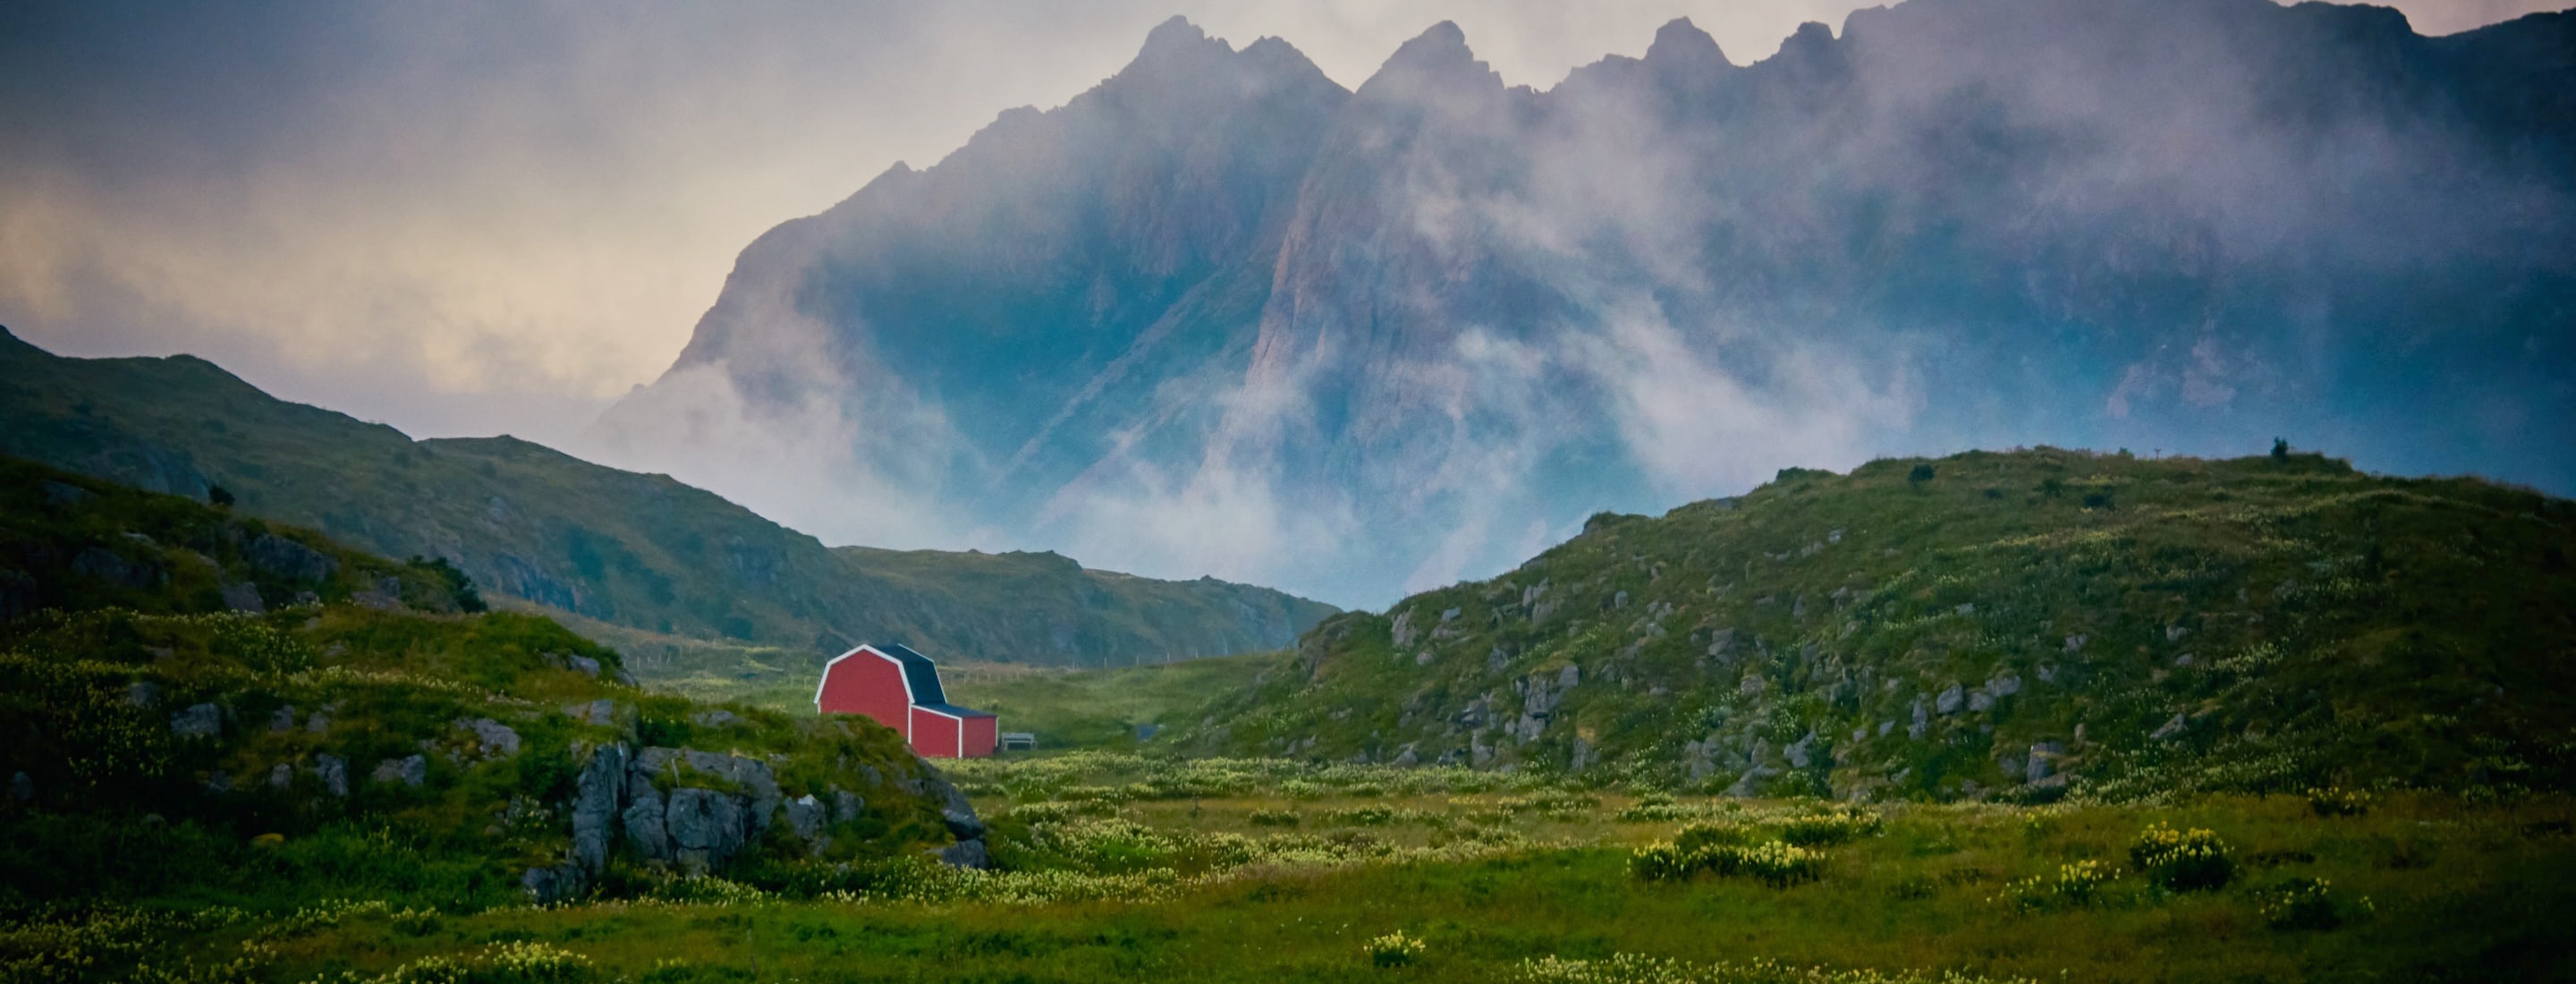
(218, 495)
(1920, 475)
(2280, 450)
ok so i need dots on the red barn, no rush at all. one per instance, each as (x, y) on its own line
(900, 689)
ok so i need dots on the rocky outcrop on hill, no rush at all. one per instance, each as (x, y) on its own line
(2262, 623)
(699, 811)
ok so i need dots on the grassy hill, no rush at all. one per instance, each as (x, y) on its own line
(366, 782)
(642, 552)
(217, 710)
(2031, 622)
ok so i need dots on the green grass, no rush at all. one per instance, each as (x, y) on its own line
(2457, 891)
(1100, 709)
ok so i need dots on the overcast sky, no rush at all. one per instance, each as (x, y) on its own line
(468, 218)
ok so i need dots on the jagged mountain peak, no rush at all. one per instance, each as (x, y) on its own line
(1438, 57)
(1680, 42)
(1176, 33)
(1276, 316)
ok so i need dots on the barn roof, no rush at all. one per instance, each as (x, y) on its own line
(953, 710)
(919, 673)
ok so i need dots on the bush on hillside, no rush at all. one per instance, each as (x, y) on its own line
(2183, 860)
(1832, 825)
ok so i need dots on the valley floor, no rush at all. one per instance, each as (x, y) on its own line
(1126, 869)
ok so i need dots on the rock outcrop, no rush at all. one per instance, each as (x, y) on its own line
(700, 811)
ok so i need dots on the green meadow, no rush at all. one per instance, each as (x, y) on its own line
(1122, 868)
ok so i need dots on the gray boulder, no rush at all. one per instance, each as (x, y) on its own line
(808, 816)
(495, 738)
(1802, 752)
(410, 771)
(582, 664)
(847, 806)
(602, 712)
(2169, 730)
(283, 720)
(142, 693)
(707, 827)
(199, 721)
(954, 809)
(643, 818)
(2004, 685)
(286, 558)
(333, 771)
(1980, 700)
(2043, 761)
(715, 719)
(1948, 702)
(281, 776)
(594, 805)
(243, 597)
(966, 854)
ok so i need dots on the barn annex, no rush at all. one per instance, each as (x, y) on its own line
(900, 689)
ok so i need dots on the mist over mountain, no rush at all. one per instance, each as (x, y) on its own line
(1220, 316)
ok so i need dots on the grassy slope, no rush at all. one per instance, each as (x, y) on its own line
(640, 551)
(2306, 621)
(1101, 708)
(91, 686)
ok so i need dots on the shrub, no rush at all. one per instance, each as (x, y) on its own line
(1834, 825)
(1394, 949)
(1660, 861)
(534, 962)
(1774, 863)
(1362, 816)
(2309, 904)
(2181, 860)
(2074, 885)
(2336, 801)
(1702, 834)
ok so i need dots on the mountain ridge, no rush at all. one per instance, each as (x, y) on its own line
(641, 550)
(1445, 318)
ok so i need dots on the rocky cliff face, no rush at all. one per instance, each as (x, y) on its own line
(1218, 315)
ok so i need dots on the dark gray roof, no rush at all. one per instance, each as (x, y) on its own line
(919, 673)
(953, 710)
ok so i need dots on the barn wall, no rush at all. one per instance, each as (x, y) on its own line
(871, 685)
(934, 735)
(982, 733)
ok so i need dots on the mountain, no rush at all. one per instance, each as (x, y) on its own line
(1220, 315)
(196, 679)
(2024, 622)
(538, 528)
